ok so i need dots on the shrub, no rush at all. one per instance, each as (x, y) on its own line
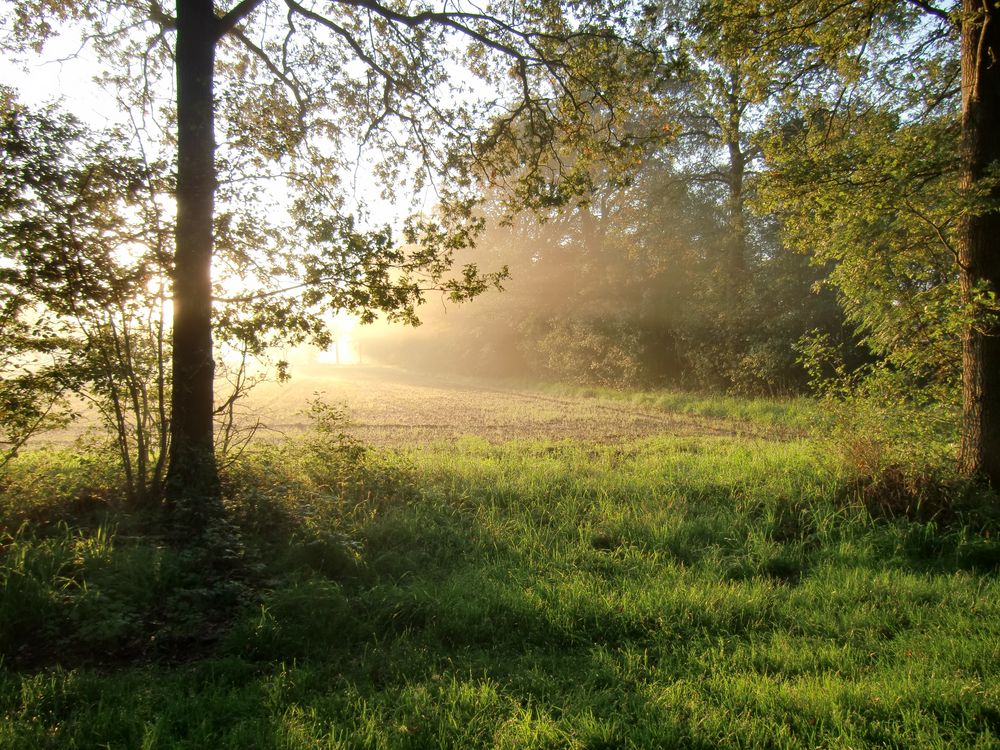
(596, 351)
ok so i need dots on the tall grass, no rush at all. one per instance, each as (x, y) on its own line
(792, 413)
(668, 592)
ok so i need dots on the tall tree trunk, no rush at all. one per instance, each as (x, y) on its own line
(735, 179)
(737, 221)
(979, 240)
(192, 486)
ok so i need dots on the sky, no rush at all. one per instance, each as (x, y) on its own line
(62, 74)
(65, 72)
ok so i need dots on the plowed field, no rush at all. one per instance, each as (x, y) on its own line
(389, 406)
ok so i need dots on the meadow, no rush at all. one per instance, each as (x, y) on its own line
(510, 568)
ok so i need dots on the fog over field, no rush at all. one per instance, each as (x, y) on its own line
(392, 406)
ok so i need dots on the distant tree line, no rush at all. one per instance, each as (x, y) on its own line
(634, 288)
(805, 218)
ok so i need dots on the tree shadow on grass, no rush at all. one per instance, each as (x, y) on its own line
(421, 625)
(389, 618)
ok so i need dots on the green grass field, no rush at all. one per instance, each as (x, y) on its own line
(691, 590)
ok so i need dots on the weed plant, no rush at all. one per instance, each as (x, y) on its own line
(668, 592)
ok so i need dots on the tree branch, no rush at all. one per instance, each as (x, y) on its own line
(277, 72)
(928, 8)
(938, 230)
(160, 17)
(340, 31)
(238, 13)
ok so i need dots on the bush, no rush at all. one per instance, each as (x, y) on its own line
(596, 351)
(898, 435)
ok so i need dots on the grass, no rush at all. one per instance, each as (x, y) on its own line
(797, 414)
(692, 591)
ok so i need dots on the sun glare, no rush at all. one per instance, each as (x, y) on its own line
(346, 348)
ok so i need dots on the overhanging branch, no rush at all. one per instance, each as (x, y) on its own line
(228, 22)
(932, 10)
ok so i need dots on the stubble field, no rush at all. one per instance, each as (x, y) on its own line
(393, 407)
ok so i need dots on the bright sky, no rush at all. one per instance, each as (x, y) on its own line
(63, 74)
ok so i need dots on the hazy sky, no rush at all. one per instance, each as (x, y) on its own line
(63, 73)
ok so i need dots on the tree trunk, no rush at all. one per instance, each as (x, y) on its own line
(737, 222)
(735, 179)
(979, 234)
(192, 487)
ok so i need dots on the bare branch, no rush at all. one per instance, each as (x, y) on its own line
(228, 22)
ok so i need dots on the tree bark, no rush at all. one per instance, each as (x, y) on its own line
(733, 136)
(737, 223)
(192, 487)
(979, 235)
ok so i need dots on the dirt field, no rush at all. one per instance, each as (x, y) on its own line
(390, 406)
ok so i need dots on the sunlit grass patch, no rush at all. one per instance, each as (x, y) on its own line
(45, 486)
(796, 413)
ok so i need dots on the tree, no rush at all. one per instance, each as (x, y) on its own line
(714, 104)
(979, 240)
(82, 274)
(304, 82)
(891, 68)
